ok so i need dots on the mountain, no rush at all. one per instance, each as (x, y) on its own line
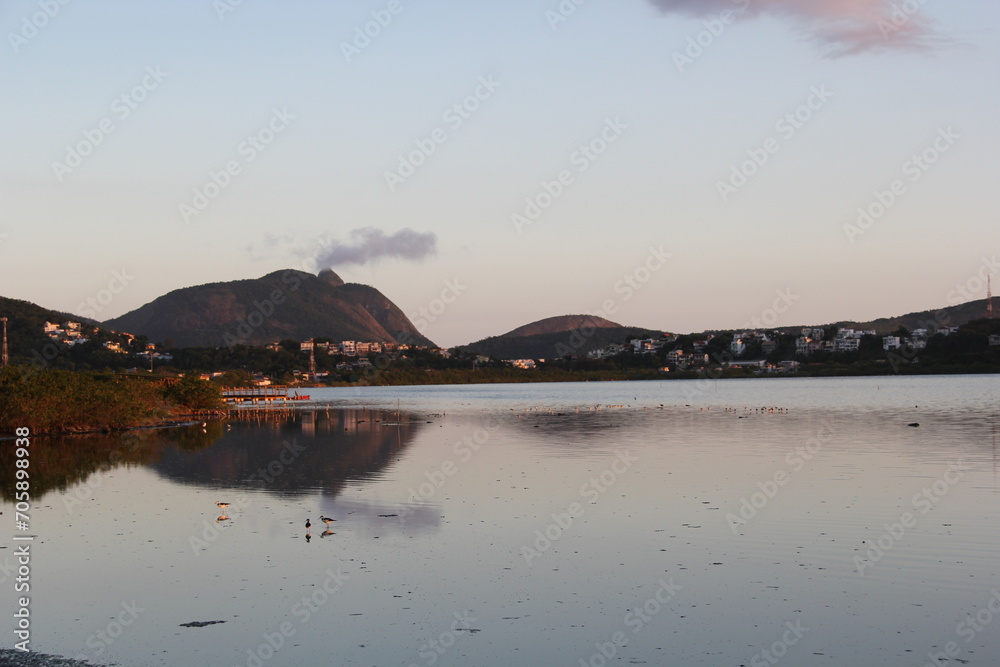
(551, 325)
(555, 337)
(281, 305)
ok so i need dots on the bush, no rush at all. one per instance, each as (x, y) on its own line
(54, 401)
(195, 394)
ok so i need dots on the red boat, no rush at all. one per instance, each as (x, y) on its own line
(299, 397)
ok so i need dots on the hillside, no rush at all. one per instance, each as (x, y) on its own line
(281, 305)
(556, 337)
(951, 316)
(26, 321)
(561, 323)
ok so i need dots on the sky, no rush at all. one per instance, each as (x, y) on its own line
(682, 165)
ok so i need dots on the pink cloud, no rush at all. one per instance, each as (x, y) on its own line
(840, 27)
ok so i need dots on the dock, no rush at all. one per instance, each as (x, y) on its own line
(258, 395)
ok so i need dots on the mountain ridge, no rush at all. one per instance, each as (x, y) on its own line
(284, 304)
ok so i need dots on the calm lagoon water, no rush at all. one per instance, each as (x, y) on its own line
(660, 523)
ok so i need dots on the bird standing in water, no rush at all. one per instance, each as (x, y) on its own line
(308, 524)
(327, 520)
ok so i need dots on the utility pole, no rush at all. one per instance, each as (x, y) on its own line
(6, 357)
(989, 299)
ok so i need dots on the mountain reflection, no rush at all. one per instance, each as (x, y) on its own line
(285, 452)
(294, 453)
(59, 463)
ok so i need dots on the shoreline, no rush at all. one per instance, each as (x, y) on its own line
(14, 658)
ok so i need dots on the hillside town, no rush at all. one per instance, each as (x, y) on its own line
(324, 360)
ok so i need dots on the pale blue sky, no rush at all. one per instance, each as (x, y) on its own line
(656, 185)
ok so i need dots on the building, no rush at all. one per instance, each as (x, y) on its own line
(645, 346)
(891, 343)
(852, 344)
(523, 364)
(738, 346)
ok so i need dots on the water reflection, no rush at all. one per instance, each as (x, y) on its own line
(294, 453)
(59, 463)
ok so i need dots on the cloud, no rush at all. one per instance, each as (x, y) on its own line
(369, 244)
(840, 27)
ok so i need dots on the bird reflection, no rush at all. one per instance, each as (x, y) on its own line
(326, 533)
(308, 537)
(221, 518)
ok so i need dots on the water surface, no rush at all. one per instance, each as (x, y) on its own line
(669, 523)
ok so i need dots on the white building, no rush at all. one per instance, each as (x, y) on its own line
(846, 344)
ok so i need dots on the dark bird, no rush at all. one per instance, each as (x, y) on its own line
(308, 524)
(327, 520)
(222, 506)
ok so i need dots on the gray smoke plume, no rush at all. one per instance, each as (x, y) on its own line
(369, 244)
(842, 27)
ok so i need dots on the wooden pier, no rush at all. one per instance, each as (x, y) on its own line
(256, 395)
